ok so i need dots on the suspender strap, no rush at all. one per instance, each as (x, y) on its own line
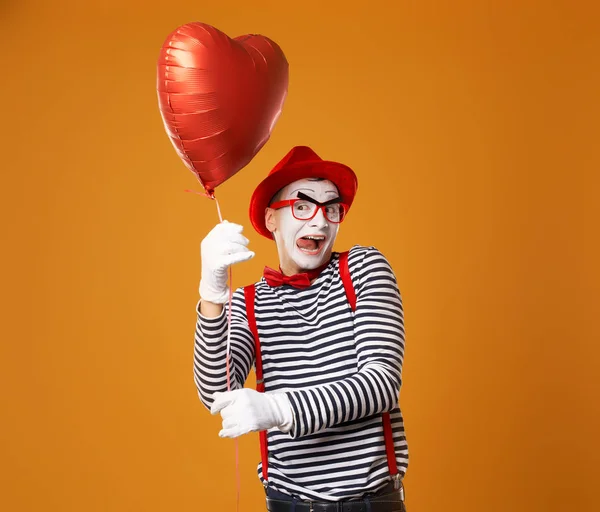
(249, 293)
(347, 280)
(387, 423)
(389, 443)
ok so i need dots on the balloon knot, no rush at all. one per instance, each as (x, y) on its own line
(210, 196)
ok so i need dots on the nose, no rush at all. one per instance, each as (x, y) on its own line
(319, 221)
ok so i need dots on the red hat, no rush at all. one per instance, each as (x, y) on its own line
(301, 162)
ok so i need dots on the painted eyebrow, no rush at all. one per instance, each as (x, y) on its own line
(312, 191)
(336, 199)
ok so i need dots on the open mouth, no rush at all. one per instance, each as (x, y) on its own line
(311, 244)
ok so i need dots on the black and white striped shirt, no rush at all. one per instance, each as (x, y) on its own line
(339, 369)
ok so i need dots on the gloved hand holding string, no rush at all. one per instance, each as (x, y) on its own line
(222, 247)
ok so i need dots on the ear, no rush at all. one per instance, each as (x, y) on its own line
(270, 219)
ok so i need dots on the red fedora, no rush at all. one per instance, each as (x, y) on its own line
(301, 162)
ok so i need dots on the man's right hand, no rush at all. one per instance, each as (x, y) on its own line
(223, 246)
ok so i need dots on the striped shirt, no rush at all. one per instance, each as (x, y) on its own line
(340, 369)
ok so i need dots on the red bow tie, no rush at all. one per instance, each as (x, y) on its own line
(274, 278)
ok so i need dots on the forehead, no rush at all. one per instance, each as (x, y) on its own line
(318, 188)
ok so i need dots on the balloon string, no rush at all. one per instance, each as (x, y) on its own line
(228, 351)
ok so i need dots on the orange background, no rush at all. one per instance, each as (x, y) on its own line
(473, 128)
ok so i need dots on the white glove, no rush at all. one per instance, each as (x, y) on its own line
(245, 410)
(223, 246)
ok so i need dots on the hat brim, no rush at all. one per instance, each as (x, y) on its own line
(339, 174)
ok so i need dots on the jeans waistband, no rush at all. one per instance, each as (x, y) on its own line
(384, 491)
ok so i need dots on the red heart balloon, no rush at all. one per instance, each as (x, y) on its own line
(219, 98)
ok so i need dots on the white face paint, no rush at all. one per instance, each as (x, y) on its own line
(288, 229)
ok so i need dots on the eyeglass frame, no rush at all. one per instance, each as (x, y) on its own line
(320, 206)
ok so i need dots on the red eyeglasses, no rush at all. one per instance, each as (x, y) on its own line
(305, 208)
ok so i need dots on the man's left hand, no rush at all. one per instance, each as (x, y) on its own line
(245, 410)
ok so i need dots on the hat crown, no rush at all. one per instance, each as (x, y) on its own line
(297, 155)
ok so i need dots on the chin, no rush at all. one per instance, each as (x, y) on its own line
(311, 261)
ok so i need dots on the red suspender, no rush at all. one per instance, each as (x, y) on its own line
(249, 292)
(347, 280)
(387, 423)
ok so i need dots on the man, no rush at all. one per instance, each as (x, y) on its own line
(326, 335)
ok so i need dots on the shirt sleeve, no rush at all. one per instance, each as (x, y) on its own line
(210, 349)
(379, 337)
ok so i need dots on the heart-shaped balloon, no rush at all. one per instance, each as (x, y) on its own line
(219, 98)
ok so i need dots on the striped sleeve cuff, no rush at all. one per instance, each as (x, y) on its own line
(300, 425)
